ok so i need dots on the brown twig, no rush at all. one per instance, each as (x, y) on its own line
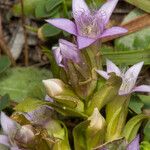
(26, 52)
(133, 26)
(3, 45)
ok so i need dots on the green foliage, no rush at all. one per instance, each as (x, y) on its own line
(47, 31)
(38, 8)
(147, 131)
(145, 145)
(20, 83)
(79, 135)
(146, 100)
(142, 4)
(132, 126)
(4, 63)
(126, 57)
(136, 104)
(135, 41)
(4, 102)
(29, 104)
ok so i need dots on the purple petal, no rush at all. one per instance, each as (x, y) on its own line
(79, 7)
(111, 67)
(39, 116)
(129, 79)
(58, 56)
(4, 140)
(107, 9)
(9, 126)
(69, 50)
(49, 99)
(113, 31)
(134, 71)
(104, 74)
(142, 88)
(84, 42)
(134, 145)
(64, 24)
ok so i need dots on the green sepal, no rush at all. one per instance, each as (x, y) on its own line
(66, 111)
(90, 133)
(105, 94)
(118, 144)
(116, 114)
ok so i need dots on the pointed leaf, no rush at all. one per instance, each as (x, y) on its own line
(132, 127)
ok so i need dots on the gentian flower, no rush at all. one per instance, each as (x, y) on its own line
(14, 134)
(66, 51)
(128, 78)
(89, 25)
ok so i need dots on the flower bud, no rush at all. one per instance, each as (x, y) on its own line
(96, 129)
(63, 94)
(53, 86)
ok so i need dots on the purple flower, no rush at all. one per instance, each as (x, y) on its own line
(134, 145)
(14, 133)
(66, 51)
(89, 26)
(128, 78)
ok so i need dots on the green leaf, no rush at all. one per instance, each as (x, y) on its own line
(4, 63)
(142, 4)
(29, 104)
(135, 41)
(136, 104)
(20, 83)
(4, 102)
(80, 136)
(147, 131)
(145, 145)
(47, 31)
(29, 8)
(132, 127)
(41, 12)
(51, 4)
(126, 57)
(146, 100)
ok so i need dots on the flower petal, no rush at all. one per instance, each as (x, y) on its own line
(113, 31)
(69, 50)
(64, 24)
(111, 67)
(9, 126)
(142, 88)
(104, 74)
(58, 56)
(79, 7)
(134, 145)
(129, 79)
(107, 9)
(134, 71)
(14, 148)
(4, 140)
(84, 42)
